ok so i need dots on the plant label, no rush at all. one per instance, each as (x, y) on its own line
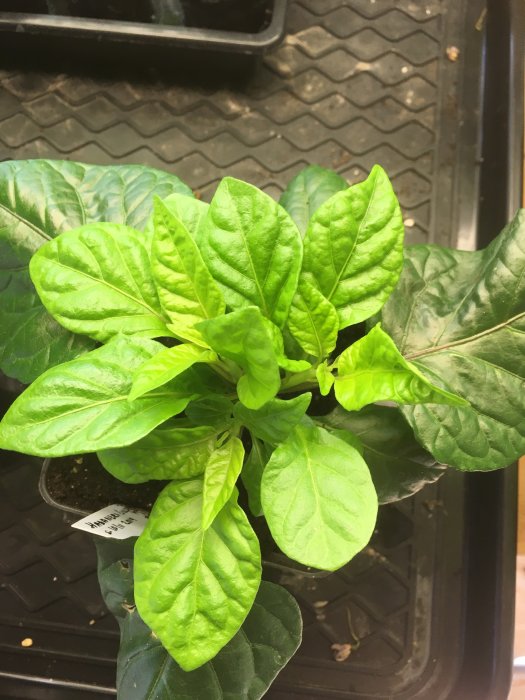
(116, 522)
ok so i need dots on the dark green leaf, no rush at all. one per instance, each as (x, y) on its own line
(318, 498)
(253, 249)
(399, 465)
(252, 472)
(275, 420)
(307, 191)
(461, 317)
(82, 405)
(174, 450)
(373, 369)
(211, 410)
(38, 200)
(194, 587)
(242, 336)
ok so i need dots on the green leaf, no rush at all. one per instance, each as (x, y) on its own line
(325, 378)
(165, 366)
(252, 473)
(278, 347)
(399, 465)
(307, 191)
(191, 213)
(96, 280)
(82, 405)
(39, 200)
(353, 249)
(194, 587)
(211, 410)
(174, 450)
(461, 317)
(187, 291)
(253, 249)
(222, 471)
(242, 336)
(274, 421)
(313, 320)
(373, 369)
(318, 498)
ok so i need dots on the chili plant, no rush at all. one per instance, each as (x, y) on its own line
(193, 343)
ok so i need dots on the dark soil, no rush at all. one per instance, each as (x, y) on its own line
(82, 482)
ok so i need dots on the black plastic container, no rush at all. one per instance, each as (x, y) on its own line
(432, 598)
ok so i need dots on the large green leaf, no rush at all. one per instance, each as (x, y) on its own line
(307, 191)
(252, 473)
(82, 405)
(96, 280)
(318, 498)
(373, 369)
(313, 320)
(191, 212)
(174, 450)
(353, 248)
(242, 336)
(194, 587)
(187, 291)
(166, 365)
(253, 249)
(222, 471)
(274, 421)
(461, 317)
(38, 200)
(398, 464)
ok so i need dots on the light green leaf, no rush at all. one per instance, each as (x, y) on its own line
(165, 366)
(461, 317)
(194, 587)
(318, 499)
(325, 378)
(187, 291)
(313, 320)
(398, 464)
(373, 369)
(278, 347)
(82, 405)
(353, 249)
(174, 450)
(253, 249)
(252, 473)
(222, 471)
(307, 191)
(274, 421)
(191, 212)
(96, 280)
(242, 336)
(38, 200)
(211, 410)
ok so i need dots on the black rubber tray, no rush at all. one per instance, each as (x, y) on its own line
(356, 82)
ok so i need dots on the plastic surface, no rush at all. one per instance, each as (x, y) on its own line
(431, 600)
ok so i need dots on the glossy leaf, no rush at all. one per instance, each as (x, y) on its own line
(318, 498)
(373, 369)
(38, 200)
(187, 291)
(461, 317)
(353, 249)
(174, 450)
(274, 421)
(194, 587)
(253, 249)
(305, 193)
(96, 280)
(165, 366)
(242, 336)
(222, 471)
(252, 473)
(313, 320)
(398, 464)
(82, 405)
(191, 212)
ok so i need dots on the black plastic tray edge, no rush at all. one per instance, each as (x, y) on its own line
(489, 593)
(141, 33)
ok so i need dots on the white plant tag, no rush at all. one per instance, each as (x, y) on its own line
(117, 522)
